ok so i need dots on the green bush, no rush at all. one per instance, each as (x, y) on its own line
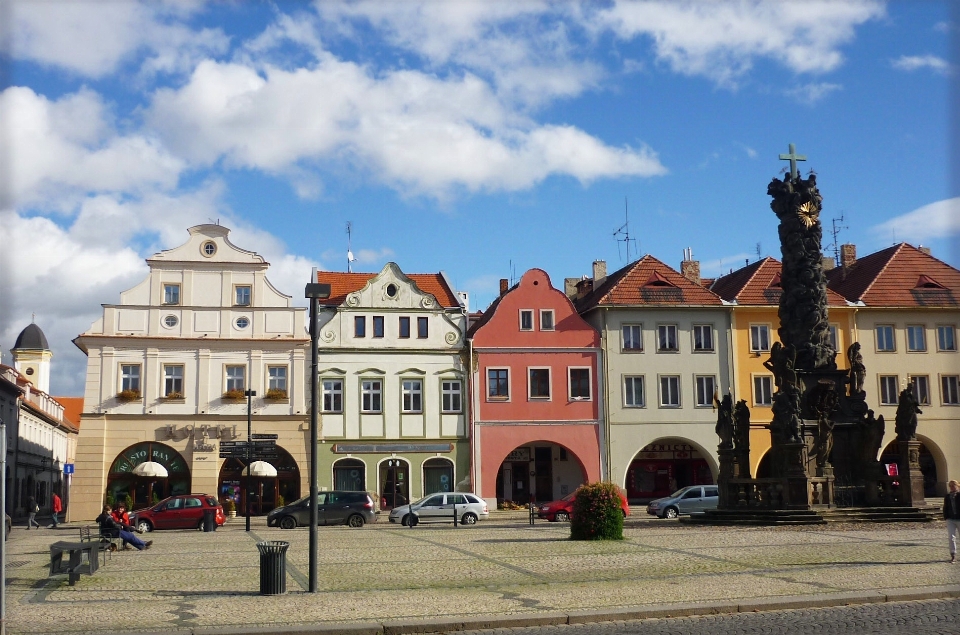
(596, 513)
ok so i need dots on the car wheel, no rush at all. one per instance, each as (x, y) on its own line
(413, 520)
(561, 517)
(288, 522)
(143, 527)
(670, 512)
(469, 519)
(355, 521)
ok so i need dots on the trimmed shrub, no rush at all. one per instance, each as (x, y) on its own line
(596, 513)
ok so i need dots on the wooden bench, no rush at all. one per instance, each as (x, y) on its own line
(75, 564)
(109, 541)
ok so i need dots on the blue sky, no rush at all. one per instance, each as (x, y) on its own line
(480, 139)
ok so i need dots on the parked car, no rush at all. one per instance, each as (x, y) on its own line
(686, 500)
(177, 512)
(562, 510)
(439, 507)
(333, 508)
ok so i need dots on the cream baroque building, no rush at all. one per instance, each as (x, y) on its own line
(166, 371)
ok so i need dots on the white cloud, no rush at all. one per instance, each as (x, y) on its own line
(917, 62)
(931, 222)
(813, 92)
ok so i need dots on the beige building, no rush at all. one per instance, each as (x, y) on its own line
(166, 374)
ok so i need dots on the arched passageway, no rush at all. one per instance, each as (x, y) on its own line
(264, 492)
(664, 466)
(144, 491)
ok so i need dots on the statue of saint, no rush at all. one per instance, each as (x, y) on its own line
(857, 370)
(872, 436)
(741, 426)
(907, 410)
(725, 421)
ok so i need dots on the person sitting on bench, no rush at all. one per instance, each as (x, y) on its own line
(109, 526)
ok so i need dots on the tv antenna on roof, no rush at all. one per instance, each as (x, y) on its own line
(350, 257)
(836, 227)
(624, 230)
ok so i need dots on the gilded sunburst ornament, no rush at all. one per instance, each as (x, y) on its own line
(808, 214)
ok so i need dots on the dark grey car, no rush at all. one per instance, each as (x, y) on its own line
(333, 508)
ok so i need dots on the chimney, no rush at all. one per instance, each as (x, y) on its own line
(827, 263)
(503, 286)
(599, 272)
(690, 268)
(848, 255)
(925, 250)
(570, 287)
(584, 287)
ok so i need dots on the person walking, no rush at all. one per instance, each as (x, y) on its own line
(951, 513)
(32, 509)
(57, 506)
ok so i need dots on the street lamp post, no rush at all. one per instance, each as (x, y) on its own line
(315, 292)
(249, 394)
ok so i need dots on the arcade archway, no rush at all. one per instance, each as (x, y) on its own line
(928, 463)
(350, 475)
(144, 491)
(664, 466)
(265, 492)
(539, 471)
(437, 476)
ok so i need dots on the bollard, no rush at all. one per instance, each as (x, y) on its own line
(533, 507)
(273, 567)
(209, 520)
(454, 515)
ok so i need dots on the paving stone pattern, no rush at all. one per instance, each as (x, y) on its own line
(384, 574)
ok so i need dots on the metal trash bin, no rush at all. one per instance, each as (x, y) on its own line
(273, 566)
(209, 520)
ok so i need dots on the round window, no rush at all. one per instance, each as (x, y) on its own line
(29, 371)
(242, 322)
(171, 321)
(391, 290)
(209, 248)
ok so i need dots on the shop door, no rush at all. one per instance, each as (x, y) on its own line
(544, 468)
(521, 482)
(395, 482)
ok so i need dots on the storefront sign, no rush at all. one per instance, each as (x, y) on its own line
(386, 448)
(519, 455)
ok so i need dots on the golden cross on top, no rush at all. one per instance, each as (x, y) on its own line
(793, 157)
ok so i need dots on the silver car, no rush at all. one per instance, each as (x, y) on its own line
(686, 500)
(441, 507)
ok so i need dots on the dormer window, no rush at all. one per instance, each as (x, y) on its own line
(171, 294)
(926, 282)
(242, 295)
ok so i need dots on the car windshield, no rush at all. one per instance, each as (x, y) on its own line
(569, 497)
(679, 492)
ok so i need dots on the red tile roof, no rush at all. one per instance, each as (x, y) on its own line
(343, 284)
(898, 276)
(650, 282)
(72, 407)
(758, 284)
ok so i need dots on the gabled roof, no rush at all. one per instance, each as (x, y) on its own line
(758, 284)
(342, 284)
(898, 276)
(649, 282)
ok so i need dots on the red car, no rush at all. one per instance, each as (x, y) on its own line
(178, 512)
(562, 509)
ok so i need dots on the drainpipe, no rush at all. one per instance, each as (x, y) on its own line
(605, 420)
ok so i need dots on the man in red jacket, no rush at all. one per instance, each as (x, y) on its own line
(57, 507)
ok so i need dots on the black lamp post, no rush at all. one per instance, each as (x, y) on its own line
(249, 394)
(315, 292)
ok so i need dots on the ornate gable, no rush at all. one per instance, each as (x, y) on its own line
(391, 289)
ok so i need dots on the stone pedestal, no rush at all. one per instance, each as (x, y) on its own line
(797, 495)
(911, 479)
(726, 473)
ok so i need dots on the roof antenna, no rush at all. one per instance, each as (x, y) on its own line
(837, 226)
(350, 257)
(624, 230)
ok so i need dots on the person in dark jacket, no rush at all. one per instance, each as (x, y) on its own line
(951, 513)
(108, 526)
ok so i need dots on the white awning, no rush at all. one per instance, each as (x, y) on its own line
(150, 469)
(260, 468)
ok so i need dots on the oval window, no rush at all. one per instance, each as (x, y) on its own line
(391, 290)
(171, 321)
(242, 322)
(209, 248)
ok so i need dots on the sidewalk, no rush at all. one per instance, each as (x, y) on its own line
(501, 572)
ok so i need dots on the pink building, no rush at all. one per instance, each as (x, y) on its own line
(536, 407)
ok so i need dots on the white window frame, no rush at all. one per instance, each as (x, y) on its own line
(950, 390)
(623, 338)
(170, 380)
(911, 348)
(549, 396)
(371, 395)
(411, 395)
(756, 345)
(498, 397)
(124, 376)
(451, 399)
(921, 388)
(889, 392)
(668, 328)
(570, 395)
(236, 294)
(879, 340)
(942, 329)
(274, 380)
(660, 391)
(171, 285)
(703, 397)
(526, 313)
(230, 379)
(701, 329)
(633, 380)
(833, 333)
(333, 392)
(553, 322)
(762, 390)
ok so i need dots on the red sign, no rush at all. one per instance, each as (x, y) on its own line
(892, 469)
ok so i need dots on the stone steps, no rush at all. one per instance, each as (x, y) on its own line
(880, 515)
(757, 517)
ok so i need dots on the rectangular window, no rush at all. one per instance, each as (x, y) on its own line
(498, 383)
(762, 390)
(171, 294)
(277, 378)
(242, 293)
(173, 381)
(888, 389)
(422, 331)
(633, 396)
(834, 335)
(706, 388)
(412, 392)
(579, 384)
(670, 391)
(921, 388)
(546, 319)
(371, 394)
(950, 390)
(667, 338)
(539, 387)
(759, 337)
(631, 337)
(451, 395)
(526, 320)
(378, 326)
(946, 338)
(404, 327)
(236, 378)
(332, 395)
(359, 326)
(885, 338)
(916, 338)
(130, 377)
(702, 337)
